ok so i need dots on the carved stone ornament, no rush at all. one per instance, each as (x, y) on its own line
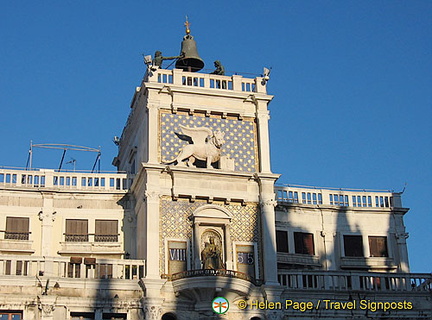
(47, 309)
(152, 195)
(204, 144)
(152, 312)
(403, 235)
(44, 216)
(268, 202)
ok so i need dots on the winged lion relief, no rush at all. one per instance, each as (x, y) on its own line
(204, 144)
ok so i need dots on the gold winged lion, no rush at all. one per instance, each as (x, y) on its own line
(204, 144)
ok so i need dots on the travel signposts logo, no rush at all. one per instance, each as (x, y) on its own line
(220, 305)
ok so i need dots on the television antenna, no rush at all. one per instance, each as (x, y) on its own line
(65, 148)
(73, 161)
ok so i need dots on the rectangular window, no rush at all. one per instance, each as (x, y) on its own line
(17, 228)
(82, 316)
(304, 243)
(353, 246)
(106, 231)
(281, 241)
(10, 315)
(76, 230)
(378, 246)
(114, 316)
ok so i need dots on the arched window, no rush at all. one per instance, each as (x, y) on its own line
(169, 316)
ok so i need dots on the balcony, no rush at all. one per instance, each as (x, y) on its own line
(214, 273)
(91, 244)
(81, 268)
(355, 281)
(299, 259)
(16, 242)
(77, 181)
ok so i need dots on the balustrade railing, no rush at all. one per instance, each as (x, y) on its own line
(87, 268)
(211, 272)
(91, 237)
(206, 80)
(9, 235)
(338, 197)
(349, 281)
(45, 178)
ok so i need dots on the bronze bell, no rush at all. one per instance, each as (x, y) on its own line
(191, 61)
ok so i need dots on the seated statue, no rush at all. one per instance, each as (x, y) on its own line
(220, 70)
(211, 256)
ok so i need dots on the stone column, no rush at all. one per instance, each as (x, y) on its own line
(152, 134)
(269, 241)
(47, 217)
(329, 246)
(196, 247)
(152, 230)
(228, 247)
(403, 251)
(263, 139)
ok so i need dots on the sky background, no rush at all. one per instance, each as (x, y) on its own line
(352, 82)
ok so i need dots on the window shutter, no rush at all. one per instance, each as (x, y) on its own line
(303, 243)
(17, 224)
(76, 227)
(378, 246)
(106, 227)
(308, 243)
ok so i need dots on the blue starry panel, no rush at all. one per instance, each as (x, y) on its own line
(239, 137)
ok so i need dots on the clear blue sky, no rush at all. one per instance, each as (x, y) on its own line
(352, 83)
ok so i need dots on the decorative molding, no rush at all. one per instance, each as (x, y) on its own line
(268, 202)
(402, 235)
(151, 195)
(44, 216)
(152, 312)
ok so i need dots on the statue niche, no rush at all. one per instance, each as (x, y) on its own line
(211, 255)
(204, 144)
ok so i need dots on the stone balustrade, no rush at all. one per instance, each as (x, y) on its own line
(206, 80)
(49, 179)
(338, 197)
(354, 281)
(75, 267)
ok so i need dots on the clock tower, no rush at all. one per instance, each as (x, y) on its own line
(204, 190)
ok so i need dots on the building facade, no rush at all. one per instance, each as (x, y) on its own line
(194, 214)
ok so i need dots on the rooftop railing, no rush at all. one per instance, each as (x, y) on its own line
(206, 80)
(338, 197)
(46, 178)
(355, 281)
